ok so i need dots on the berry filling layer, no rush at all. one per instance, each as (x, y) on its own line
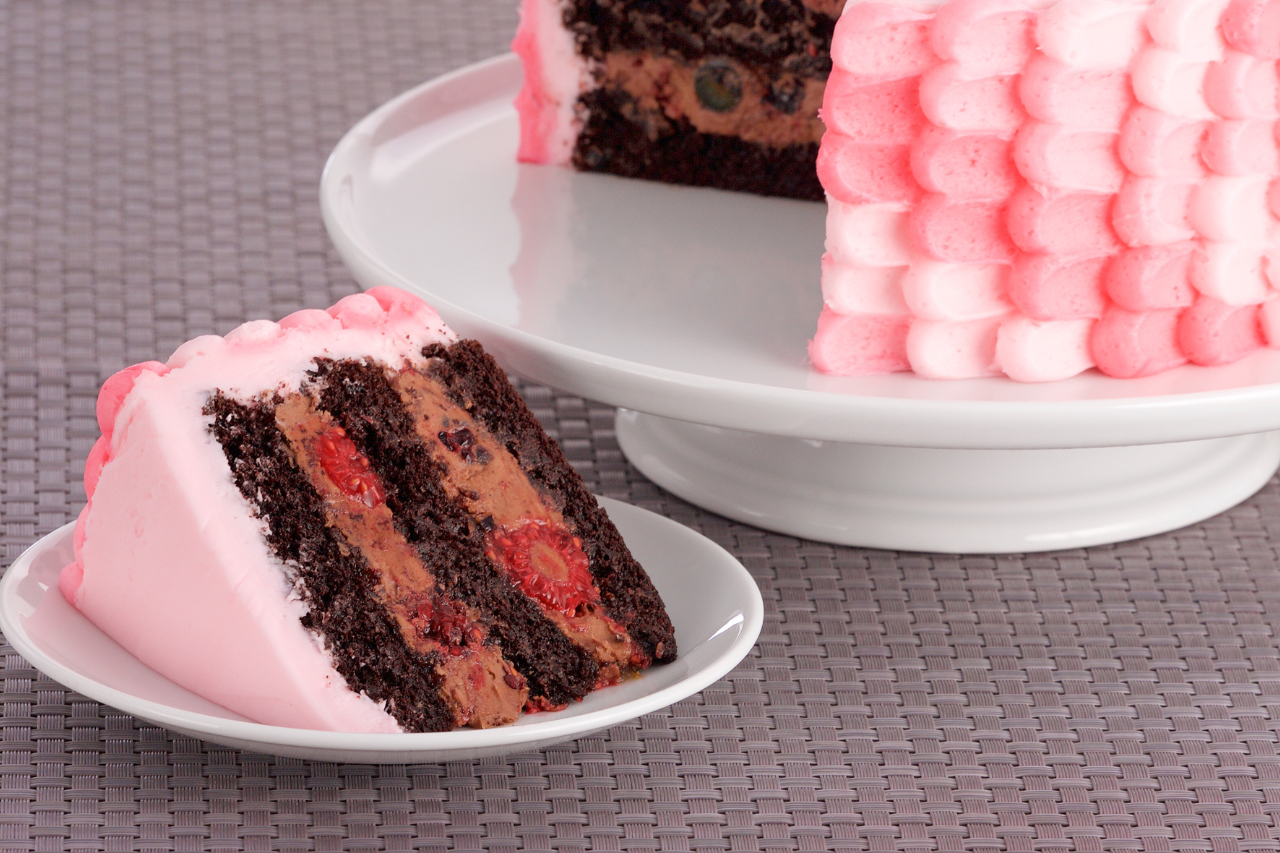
(482, 688)
(526, 537)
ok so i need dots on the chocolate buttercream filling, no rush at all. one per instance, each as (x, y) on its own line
(719, 96)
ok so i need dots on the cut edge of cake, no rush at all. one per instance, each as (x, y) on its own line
(614, 89)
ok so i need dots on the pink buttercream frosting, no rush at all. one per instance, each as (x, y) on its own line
(554, 75)
(169, 559)
(1099, 176)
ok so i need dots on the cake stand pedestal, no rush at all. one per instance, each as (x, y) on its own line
(947, 500)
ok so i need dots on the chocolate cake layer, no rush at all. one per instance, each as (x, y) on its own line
(781, 36)
(621, 138)
(334, 581)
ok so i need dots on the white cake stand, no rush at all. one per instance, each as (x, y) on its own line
(690, 309)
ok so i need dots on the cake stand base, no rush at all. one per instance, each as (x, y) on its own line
(953, 501)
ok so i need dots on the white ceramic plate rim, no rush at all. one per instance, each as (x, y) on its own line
(901, 418)
(736, 583)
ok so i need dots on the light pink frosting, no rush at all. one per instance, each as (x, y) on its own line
(1118, 161)
(554, 76)
(169, 560)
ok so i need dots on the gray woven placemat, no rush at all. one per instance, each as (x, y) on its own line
(158, 172)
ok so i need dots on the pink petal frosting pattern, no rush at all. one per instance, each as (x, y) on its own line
(260, 661)
(1100, 176)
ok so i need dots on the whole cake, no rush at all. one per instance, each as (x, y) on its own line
(350, 521)
(1021, 188)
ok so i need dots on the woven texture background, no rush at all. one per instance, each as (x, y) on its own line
(159, 164)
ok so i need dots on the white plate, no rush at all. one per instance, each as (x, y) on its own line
(713, 602)
(688, 303)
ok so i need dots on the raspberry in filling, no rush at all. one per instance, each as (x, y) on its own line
(445, 621)
(547, 563)
(349, 469)
(462, 442)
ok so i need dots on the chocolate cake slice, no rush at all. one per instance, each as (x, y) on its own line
(350, 520)
(723, 93)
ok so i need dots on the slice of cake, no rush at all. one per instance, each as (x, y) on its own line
(350, 521)
(1015, 187)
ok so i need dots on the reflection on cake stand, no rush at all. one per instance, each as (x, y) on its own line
(690, 309)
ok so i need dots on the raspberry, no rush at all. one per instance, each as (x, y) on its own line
(462, 442)
(546, 562)
(444, 621)
(349, 469)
